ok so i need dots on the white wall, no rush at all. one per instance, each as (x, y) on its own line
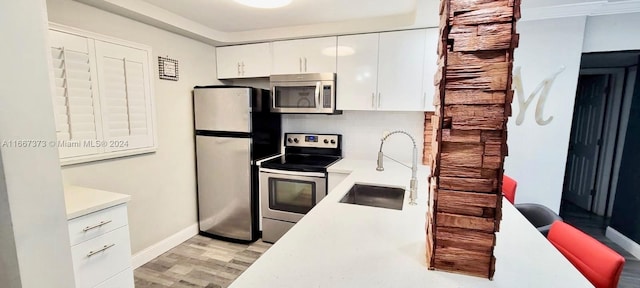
(32, 201)
(362, 131)
(162, 184)
(612, 33)
(538, 153)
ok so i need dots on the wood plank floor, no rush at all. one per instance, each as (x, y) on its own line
(595, 226)
(199, 262)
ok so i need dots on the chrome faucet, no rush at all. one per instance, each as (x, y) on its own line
(413, 185)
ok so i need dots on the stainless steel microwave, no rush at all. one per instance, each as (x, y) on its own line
(313, 93)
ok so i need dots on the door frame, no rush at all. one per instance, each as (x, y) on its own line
(609, 136)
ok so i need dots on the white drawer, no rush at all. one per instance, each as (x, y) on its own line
(124, 279)
(111, 255)
(97, 223)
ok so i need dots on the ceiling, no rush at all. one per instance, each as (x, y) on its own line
(225, 22)
(230, 16)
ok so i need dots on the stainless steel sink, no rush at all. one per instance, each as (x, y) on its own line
(375, 196)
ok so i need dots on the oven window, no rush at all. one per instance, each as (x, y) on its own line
(295, 96)
(291, 195)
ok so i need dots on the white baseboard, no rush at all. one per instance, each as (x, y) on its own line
(165, 245)
(623, 241)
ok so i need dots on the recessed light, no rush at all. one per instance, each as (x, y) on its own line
(267, 4)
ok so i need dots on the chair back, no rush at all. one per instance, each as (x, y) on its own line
(509, 188)
(598, 263)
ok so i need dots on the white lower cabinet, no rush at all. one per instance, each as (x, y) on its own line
(122, 279)
(101, 249)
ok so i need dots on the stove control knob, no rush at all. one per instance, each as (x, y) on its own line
(326, 141)
(289, 140)
(295, 140)
(333, 141)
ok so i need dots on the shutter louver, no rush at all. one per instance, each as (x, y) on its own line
(102, 100)
(125, 96)
(74, 95)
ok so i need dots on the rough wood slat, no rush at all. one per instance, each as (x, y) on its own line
(469, 240)
(478, 123)
(483, 14)
(473, 42)
(467, 172)
(491, 149)
(461, 154)
(465, 222)
(468, 184)
(473, 98)
(494, 110)
(490, 77)
(465, 136)
(476, 58)
(469, 5)
(467, 198)
(492, 162)
(463, 261)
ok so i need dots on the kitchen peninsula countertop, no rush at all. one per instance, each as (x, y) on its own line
(345, 245)
(81, 201)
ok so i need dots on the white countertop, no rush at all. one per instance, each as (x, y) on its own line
(81, 201)
(346, 245)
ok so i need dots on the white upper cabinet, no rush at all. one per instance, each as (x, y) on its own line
(244, 61)
(430, 67)
(357, 72)
(384, 71)
(315, 55)
(400, 70)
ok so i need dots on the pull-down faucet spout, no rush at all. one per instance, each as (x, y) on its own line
(413, 184)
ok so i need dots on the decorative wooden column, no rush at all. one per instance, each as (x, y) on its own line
(473, 103)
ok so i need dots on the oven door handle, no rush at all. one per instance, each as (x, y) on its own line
(294, 173)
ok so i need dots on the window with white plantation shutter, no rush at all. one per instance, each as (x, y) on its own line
(75, 105)
(124, 90)
(103, 104)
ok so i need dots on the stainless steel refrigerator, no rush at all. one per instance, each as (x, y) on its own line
(233, 129)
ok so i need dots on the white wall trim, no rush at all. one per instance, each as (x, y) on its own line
(581, 9)
(165, 245)
(623, 241)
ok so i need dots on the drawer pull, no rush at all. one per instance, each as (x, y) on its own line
(102, 223)
(105, 247)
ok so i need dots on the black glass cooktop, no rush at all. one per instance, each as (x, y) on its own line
(301, 162)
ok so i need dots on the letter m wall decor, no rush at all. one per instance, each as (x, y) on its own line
(473, 103)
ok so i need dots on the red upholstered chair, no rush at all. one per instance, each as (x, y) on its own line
(509, 188)
(597, 262)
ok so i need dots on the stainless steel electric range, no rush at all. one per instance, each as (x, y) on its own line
(290, 185)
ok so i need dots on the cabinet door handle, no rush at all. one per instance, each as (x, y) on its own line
(104, 248)
(373, 100)
(424, 101)
(242, 68)
(300, 62)
(305, 64)
(102, 223)
(379, 96)
(239, 69)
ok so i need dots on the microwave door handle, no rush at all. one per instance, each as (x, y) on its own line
(273, 97)
(318, 86)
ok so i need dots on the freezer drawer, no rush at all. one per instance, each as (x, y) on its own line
(222, 109)
(224, 187)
